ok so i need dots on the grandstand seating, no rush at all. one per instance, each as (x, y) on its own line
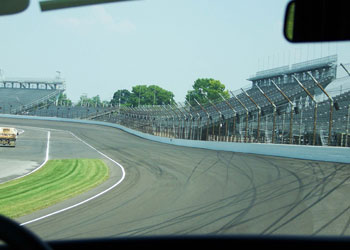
(303, 116)
(67, 111)
(12, 99)
(205, 122)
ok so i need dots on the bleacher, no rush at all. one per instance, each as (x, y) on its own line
(13, 100)
(80, 112)
(18, 95)
(207, 122)
(215, 121)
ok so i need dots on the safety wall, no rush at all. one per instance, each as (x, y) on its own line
(319, 153)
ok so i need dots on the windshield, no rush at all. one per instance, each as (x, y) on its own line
(181, 117)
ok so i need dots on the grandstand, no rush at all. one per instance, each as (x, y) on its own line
(19, 95)
(74, 112)
(274, 108)
(324, 70)
(304, 103)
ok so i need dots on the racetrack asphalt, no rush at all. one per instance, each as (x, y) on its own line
(28, 154)
(173, 190)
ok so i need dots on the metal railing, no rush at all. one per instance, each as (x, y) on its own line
(274, 115)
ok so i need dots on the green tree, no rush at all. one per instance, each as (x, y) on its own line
(83, 100)
(96, 101)
(124, 96)
(150, 95)
(105, 103)
(138, 95)
(206, 87)
(89, 102)
(63, 100)
(158, 96)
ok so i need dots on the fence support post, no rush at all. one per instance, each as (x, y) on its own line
(291, 112)
(234, 117)
(315, 109)
(274, 113)
(259, 113)
(247, 116)
(331, 107)
(205, 111)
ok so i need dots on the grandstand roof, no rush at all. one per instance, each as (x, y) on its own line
(32, 80)
(338, 86)
(297, 67)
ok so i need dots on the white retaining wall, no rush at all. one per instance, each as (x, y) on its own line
(319, 153)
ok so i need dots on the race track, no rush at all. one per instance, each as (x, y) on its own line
(176, 190)
(28, 155)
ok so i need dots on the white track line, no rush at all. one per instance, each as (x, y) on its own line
(89, 199)
(42, 164)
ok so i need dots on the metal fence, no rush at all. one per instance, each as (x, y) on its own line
(276, 114)
(298, 112)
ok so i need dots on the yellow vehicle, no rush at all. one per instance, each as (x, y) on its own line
(8, 136)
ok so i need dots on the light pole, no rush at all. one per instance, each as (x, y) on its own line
(139, 95)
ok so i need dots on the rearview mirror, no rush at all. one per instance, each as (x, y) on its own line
(317, 21)
(46, 5)
(8, 7)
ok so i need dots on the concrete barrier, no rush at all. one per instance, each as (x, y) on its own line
(318, 153)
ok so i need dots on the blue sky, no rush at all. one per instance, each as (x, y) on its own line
(100, 49)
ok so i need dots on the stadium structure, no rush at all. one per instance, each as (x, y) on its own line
(19, 95)
(288, 105)
(39, 97)
(304, 103)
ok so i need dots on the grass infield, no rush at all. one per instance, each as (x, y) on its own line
(56, 181)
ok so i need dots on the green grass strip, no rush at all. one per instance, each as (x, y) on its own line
(58, 180)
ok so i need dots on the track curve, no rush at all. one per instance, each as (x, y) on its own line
(175, 190)
(29, 155)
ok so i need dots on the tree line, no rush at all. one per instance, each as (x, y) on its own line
(143, 95)
(203, 89)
